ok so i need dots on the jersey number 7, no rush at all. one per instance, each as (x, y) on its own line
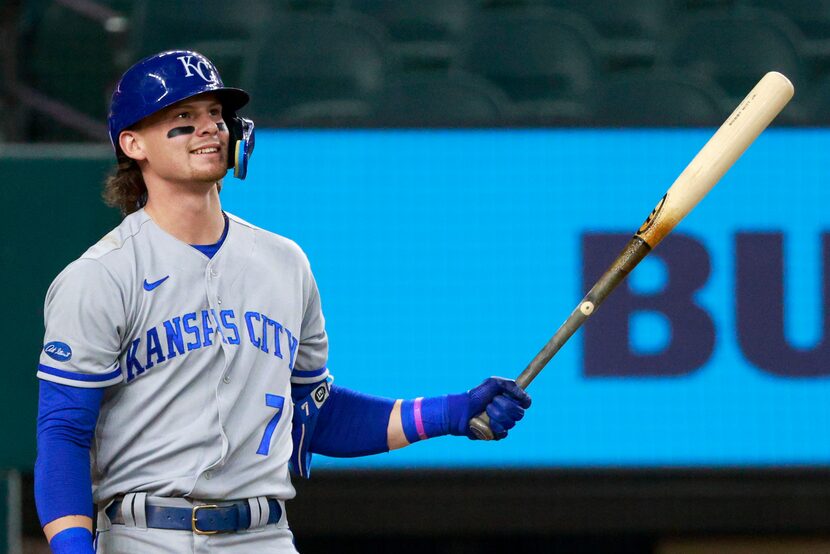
(272, 401)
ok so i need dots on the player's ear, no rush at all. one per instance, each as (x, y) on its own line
(132, 145)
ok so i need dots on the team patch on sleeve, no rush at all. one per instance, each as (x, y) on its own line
(58, 350)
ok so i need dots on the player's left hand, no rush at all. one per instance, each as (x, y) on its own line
(503, 400)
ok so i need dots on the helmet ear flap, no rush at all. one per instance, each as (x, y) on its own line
(240, 144)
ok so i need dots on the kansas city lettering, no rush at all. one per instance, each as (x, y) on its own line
(195, 330)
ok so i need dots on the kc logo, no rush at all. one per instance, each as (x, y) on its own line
(201, 68)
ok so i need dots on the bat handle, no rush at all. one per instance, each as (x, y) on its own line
(636, 249)
(480, 427)
(480, 424)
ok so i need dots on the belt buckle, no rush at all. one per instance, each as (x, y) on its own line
(193, 525)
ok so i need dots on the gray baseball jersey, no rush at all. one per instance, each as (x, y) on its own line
(197, 356)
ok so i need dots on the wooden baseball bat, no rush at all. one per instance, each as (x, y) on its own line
(763, 103)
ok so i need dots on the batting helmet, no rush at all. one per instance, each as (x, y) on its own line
(163, 79)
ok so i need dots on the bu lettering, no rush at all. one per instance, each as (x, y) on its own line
(759, 304)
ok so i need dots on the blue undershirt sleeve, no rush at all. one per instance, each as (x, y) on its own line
(352, 424)
(65, 426)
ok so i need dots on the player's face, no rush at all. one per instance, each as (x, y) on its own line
(187, 142)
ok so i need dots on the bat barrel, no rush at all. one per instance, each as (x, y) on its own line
(763, 103)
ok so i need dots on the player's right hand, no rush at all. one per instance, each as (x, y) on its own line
(502, 399)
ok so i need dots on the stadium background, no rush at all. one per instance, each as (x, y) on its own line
(457, 172)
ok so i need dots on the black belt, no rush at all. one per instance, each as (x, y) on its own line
(207, 519)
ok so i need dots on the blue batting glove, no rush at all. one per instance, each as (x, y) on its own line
(502, 399)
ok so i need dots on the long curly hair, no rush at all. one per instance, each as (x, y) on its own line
(125, 189)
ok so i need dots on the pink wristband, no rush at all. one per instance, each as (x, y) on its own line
(419, 420)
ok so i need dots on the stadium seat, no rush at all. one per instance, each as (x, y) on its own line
(736, 48)
(439, 101)
(697, 5)
(227, 31)
(816, 104)
(4, 113)
(68, 61)
(326, 114)
(659, 98)
(169, 24)
(499, 4)
(322, 6)
(64, 42)
(812, 17)
(422, 32)
(316, 58)
(533, 54)
(631, 30)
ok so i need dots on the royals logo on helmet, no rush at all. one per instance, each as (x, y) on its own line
(200, 67)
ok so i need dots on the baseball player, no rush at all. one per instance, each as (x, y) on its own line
(184, 370)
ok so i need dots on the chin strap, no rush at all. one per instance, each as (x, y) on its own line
(241, 145)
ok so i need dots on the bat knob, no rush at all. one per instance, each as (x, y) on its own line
(480, 428)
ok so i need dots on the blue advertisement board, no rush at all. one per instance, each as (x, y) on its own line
(446, 256)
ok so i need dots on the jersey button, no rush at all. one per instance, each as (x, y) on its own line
(208, 475)
(227, 379)
(219, 300)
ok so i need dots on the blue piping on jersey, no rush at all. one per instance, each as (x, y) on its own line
(306, 375)
(78, 376)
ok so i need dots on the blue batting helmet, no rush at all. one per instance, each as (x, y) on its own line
(163, 79)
